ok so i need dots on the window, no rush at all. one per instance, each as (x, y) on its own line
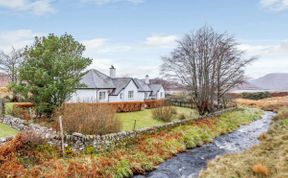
(130, 94)
(102, 95)
(161, 95)
(121, 96)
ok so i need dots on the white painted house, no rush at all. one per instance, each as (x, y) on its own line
(99, 87)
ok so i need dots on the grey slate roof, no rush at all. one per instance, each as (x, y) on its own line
(94, 79)
(155, 88)
(120, 84)
(143, 87)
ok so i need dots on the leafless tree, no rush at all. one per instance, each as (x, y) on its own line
(209, 64)
(9, 63)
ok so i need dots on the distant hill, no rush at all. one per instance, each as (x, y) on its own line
(273, 81)
(246, 86)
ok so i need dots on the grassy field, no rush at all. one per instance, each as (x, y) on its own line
(6, 131)
(144, 118)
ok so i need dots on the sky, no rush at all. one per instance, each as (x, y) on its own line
(133, 35)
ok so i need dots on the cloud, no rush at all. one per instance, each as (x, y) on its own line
(38, 7)
(277, 5)
(17, 38)
(271, 58)
(104, 46)
(266, 49)
(162, 40)
(102, 2)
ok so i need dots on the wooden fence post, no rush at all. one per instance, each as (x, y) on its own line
(2, 106)
(134, 125)
(62, 135)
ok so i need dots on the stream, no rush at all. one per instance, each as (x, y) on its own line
(189, 163)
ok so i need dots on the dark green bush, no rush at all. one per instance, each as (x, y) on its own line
(255, 96)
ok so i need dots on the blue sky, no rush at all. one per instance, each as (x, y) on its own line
(134, 34)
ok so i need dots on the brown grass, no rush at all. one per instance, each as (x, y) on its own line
(271, 104)
(88, 119)
(260, 169)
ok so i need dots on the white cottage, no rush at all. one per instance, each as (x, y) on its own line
(99, 87)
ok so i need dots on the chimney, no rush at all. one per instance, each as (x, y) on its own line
(147, 80)
(112, 71)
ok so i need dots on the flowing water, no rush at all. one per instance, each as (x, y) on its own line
(188, 164)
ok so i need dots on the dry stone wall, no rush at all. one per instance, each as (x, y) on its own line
(79, 141)
(22, 125)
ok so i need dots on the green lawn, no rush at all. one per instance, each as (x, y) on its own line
(6, 131)
(144, 118)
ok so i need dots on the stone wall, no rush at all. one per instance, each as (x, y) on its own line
(101, 142)
(22, 125)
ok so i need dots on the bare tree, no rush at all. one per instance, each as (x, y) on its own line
(9, 63)
(209, 64)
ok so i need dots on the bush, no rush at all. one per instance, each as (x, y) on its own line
(88, 119)
(182, 116)
(164, 113)
(256, 96)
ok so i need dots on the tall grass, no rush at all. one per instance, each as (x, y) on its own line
(164, 113)
(88, 119)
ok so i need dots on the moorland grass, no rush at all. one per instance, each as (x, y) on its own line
(268, 159)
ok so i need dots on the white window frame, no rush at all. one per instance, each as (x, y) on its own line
(121, 96)
(101, 96)
(130, 94)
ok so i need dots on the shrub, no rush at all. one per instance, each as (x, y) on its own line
(260, 169)
(155, 103)
(21, 113)
(182, 116)
(256, 96)
(164, 113)
(88, 119)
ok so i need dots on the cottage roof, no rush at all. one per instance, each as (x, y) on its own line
(120, 84)
(94, 79)
(143, 87)
(155, 88)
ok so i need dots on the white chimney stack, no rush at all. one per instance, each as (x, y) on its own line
(112, 71)
(147, 80)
